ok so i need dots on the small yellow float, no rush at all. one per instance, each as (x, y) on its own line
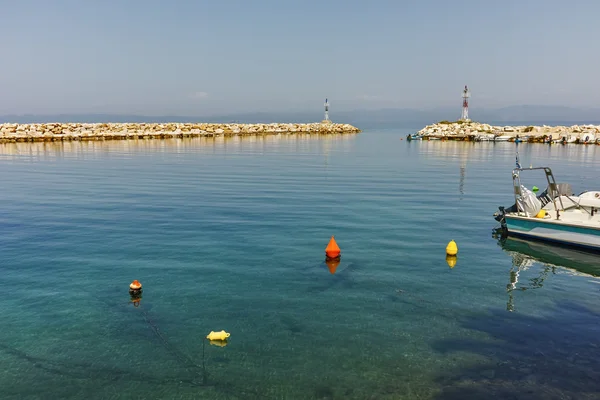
(218, 335)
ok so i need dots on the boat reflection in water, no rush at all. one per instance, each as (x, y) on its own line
(526, 253)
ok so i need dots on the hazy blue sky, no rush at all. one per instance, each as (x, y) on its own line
(213, 57)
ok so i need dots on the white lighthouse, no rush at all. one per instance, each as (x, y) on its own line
(326, 111)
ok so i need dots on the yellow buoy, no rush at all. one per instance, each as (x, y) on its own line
(541, 214)
(452, 248)
(451, 260)
(218, 335)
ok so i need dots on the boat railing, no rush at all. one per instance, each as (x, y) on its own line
(553, 191)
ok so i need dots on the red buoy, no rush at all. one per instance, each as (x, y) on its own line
(332, 250)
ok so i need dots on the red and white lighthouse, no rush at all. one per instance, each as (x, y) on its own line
(465, 107)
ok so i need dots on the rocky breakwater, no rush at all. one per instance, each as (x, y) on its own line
(51, 132)
(475, 131)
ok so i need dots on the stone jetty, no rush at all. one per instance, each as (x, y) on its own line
(52, 132)
(475, 131)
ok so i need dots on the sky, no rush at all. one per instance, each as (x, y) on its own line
(234, 56)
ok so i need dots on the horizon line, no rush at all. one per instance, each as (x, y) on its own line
(303, 111)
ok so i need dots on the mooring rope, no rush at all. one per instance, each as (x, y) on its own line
(185, 360)
(85, 370)
(88, 370)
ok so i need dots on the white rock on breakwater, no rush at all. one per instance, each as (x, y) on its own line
(481, 131)
(13, 132)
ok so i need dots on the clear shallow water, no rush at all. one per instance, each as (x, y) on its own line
(230, 234)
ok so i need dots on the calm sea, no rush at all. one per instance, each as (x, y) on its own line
(229, 234)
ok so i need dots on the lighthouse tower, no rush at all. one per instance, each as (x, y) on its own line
(326, 120)
(465, 107)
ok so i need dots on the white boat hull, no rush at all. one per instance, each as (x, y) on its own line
(551, 230)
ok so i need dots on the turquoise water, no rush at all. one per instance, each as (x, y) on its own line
(230, 234)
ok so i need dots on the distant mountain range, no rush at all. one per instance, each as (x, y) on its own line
(526, 114)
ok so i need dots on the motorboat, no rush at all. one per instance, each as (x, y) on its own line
(555, 215)
(564, 139)
(484, 137)
(414, 136)
(587, 138)
(502, 138)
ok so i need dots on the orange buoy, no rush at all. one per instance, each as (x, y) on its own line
(135, 287)
(332, 264)
(332, 250)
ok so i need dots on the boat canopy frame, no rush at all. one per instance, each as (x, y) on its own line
(553, 191)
